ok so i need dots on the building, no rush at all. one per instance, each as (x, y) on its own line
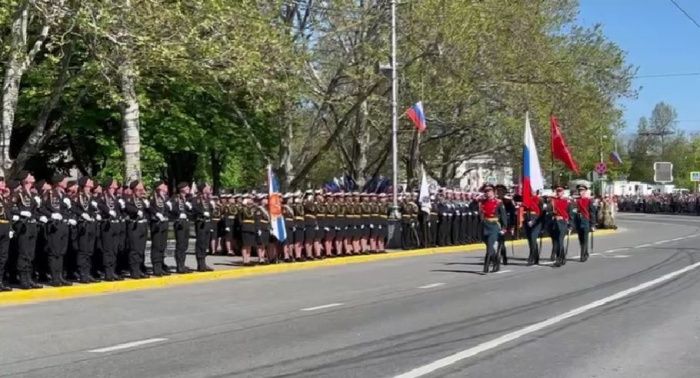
(475, 172)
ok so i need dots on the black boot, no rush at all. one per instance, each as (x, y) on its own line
(202, 266)
(487, 262)
(4, 287)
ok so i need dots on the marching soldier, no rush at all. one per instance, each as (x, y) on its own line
(349, 226)
(339, 223)
(493, 216)
(383, 223)
(181, 210)
(159, 212)
(86, 209)
(586, 213)
(205, 211)
(25, 215)
(331, 209)
(56, 208)
(136, 209)
(444, 220)
(6, 232)
(534, 220)
(560, 207)
(509, 206)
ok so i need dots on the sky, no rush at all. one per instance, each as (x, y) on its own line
(659, 40)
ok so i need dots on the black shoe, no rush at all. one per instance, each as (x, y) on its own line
(556, 264)
(184, 270)
(3, 287)
(35, 285)
(55, 283)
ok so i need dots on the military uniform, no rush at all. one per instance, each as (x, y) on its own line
(206, 212)
(584, 221)
(111, 233)
(182, 212)
(25, 214)
(560, 209)
(6, 234)
(136, 209)
(87, 230)
(57, 209)
(493, 216)
(534, 220)
(159, 212)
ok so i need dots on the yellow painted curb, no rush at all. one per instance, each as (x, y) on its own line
(55, 293)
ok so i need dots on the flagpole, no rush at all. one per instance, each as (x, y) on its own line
(394, 104)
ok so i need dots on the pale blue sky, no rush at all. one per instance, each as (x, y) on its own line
(659, 40)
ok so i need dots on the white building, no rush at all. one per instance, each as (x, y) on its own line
(631, 188)
(474, 173)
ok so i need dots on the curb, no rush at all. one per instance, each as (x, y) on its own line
(18, 297)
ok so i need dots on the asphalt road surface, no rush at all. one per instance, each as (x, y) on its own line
(633, 310)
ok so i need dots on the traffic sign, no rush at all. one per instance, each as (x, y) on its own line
(663, 172)
(601, 168)
(695, 176)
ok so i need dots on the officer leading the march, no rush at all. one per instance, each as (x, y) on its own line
(534, 220)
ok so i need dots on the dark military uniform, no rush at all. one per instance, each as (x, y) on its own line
(5, 236)
(182, 213)
(57, 209)
(25, 206)
(159, 212)
(88, 215)
(248, 227)
(204, 211)
(137, 232)
(110, 212)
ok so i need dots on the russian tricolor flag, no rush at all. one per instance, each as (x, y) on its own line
(276, 219)
(532, 174)
(416, 114)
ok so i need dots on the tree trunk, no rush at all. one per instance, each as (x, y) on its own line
(19, 60)
(131, 140)
(363, 140)
(285, 170)
(41, 134)
(216, 167)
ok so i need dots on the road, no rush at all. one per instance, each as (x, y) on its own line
(632, 310)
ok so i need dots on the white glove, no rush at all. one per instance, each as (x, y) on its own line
(56, 216)
(189, 205)
(15, 218)
(38, 200)
(183, 216)
(327, 229)
(371, 226)
(160, 217)
(228, 229)
(12, 234)
(112, 213)
(259, 232)
(93, 203)
(530, 223)
(147, 203)
(25, 214)
(170, 205)
(43, 219)
(67, 201)
(121, 203)
(139, 213)
(98, 217)
(206, 214)
(72, 222)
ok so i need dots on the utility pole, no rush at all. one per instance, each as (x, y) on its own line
(394, 114)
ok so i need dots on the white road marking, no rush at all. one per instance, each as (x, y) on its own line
(620, 256)
(660, 242)
(432, 285)
(132, 344)
(676, 239)
(643, 246)
(504, 271)
(615, 250)
(547, 263)
(574, 257)
(595, 254)
(483, 347)
(321, 307)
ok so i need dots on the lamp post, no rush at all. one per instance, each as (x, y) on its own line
(394, 114)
